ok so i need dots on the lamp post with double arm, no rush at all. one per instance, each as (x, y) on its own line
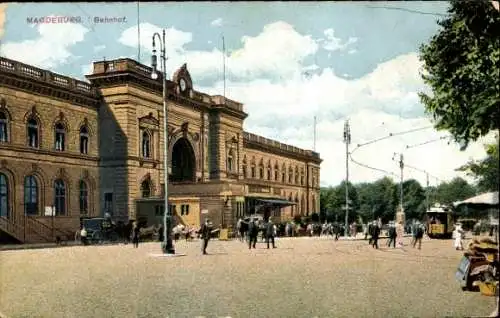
(167, 244)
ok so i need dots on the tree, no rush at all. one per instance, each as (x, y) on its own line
(461, 65)
(413, 199)
(457, 189)
(485, 171)
(339, 203)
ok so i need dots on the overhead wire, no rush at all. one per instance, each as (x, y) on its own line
(407, 10)
(389, 136)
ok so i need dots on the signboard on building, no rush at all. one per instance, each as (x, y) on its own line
(50, 211)
(259, 189)
(204, 211)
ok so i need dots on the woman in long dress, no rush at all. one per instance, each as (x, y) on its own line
(458, 234)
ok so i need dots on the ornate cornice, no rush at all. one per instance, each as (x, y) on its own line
(128, 71)
(256, 142)
(30, 79)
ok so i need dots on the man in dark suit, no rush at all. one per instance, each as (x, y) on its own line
(375, 235)
(206, 233)
(253, 231)
(392, 236)
(270, 233)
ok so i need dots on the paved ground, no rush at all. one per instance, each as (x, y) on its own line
(303, 277)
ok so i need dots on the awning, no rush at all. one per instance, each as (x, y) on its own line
(276, 202)
(489, 199)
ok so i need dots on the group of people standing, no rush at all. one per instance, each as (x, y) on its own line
(250, 230)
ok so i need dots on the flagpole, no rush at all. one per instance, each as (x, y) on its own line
(314, 140)
(138, 35)
(224, 66)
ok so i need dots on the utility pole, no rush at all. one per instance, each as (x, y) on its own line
(427, 191)
(401, 166)
(347, 140)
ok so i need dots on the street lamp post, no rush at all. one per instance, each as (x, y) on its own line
(167, 244)
(347, 140)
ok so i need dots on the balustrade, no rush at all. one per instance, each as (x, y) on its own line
(46, 76)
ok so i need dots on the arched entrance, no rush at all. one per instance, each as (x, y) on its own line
(183, 162)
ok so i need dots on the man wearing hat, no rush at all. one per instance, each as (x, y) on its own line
(206, 233)
(270, 233)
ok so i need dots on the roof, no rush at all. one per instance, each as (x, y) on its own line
(488, 198)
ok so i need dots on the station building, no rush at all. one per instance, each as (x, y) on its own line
(71, 149)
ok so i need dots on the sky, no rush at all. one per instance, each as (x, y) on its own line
(286, 62)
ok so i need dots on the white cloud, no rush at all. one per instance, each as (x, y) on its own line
(51, 49)
(352, 51)
(333, 43)
(99, 48)
(277, 51)
(216, 22)
(382, 102)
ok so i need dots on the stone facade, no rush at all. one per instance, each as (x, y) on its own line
(30, 94)
(214, 166)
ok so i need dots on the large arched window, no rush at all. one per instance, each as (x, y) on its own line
(33, 133)
(269, 171)
(276, 171)
(146, 144)
(60, 137)
(290, 174)
(296, 175)
(84, 198)
(146, 188)
(60, 197)
(283, 173)
(84, 140)
(4, 195)
(30, 195)
(4, 127)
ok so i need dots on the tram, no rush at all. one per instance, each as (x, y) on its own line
(440, 222)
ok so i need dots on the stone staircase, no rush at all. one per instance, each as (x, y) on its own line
(27, 229)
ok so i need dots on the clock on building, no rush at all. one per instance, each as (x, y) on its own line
(182, 84)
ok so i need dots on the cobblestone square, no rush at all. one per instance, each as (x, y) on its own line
(303, 277)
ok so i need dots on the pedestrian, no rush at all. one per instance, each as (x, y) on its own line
(392, 236)
(135, 234)
(206, 233)
(270, 233)
(370, 232)
(375, 235)
(253, 231)
(419, 233)
(83, 236)
(458, 234)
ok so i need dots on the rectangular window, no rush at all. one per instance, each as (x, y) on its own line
(159, 210)
(108, 203)
(172, 209)
(184, 209)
